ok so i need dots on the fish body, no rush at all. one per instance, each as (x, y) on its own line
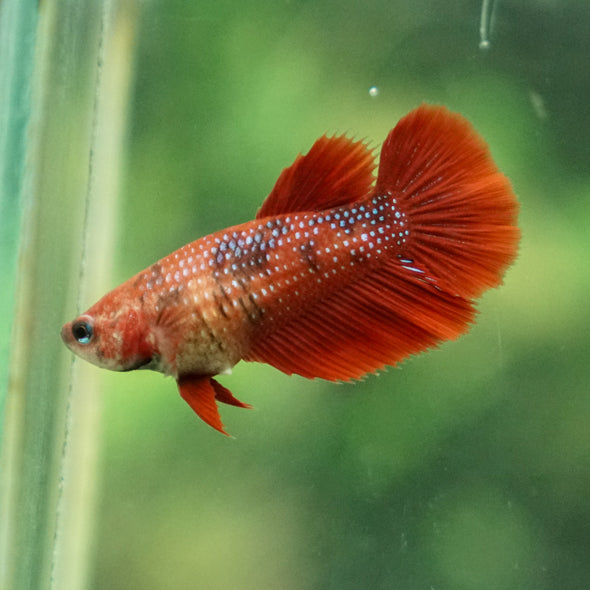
(336, 277)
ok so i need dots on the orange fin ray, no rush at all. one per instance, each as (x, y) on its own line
(224, 395)
(335, 171)
(462, 210)
(379, 320)
(201, 394)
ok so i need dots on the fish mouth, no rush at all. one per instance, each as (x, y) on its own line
(66, 334)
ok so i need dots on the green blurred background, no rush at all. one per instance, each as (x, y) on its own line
(466, 468)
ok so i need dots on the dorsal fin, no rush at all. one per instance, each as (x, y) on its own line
(335, 171)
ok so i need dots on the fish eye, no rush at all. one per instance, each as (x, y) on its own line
(83, 330)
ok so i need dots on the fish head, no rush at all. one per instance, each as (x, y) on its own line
(113, 334)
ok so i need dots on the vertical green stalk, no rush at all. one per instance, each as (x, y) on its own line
(80, 58)
(18, 21)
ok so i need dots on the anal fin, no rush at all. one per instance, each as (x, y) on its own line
(379, 320)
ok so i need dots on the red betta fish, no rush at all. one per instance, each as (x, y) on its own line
(338, 275)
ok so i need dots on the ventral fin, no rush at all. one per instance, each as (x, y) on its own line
(335, 171)
(224, 395)
(199, 393)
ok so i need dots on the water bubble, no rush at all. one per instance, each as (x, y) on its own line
(538, 104)
(373, 91)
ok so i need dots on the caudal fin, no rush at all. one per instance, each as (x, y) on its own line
(461, 209)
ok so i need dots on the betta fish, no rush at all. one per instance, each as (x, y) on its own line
(338, 276)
